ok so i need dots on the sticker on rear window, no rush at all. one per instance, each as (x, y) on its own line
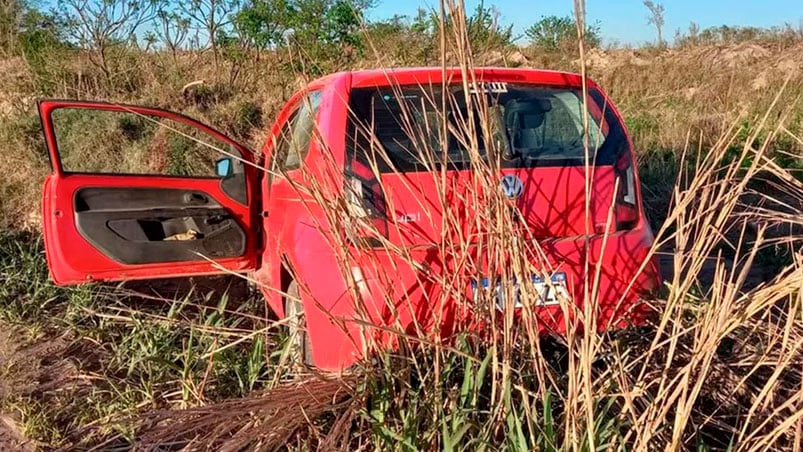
(487, 87)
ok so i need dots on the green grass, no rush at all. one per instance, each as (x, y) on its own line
(448, 402)
(124, 353)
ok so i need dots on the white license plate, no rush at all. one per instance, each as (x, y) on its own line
(547, 294)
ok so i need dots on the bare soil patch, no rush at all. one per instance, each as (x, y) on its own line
(25, 370)
(12, 379)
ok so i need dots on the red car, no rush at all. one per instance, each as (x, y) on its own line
(365, 202)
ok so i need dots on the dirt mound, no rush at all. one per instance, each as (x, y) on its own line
(608, 60)
(597, 58)
(739, 55)
(712, 57)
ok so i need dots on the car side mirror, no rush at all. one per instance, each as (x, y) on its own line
(223, 167)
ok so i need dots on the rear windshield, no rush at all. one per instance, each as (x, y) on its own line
(401, 128)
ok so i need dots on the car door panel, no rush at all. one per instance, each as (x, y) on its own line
(103, 227)
(148, 225)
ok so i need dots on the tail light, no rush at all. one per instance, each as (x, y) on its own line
(626, 207)
(367, 212)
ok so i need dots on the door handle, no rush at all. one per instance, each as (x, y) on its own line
(215, 219)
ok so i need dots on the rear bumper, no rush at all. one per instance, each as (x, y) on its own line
(428, 292)
(616, 276)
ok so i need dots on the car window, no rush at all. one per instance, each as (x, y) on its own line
(296, 134)
(398, 128)
(562, 128)
(120, 142)
(282, 145)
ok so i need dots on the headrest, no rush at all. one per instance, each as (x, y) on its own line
(531, 121)
(527, 113)
(529, 105)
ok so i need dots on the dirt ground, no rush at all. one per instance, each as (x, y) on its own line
(13, 370)
(28, 367)
(10, 437)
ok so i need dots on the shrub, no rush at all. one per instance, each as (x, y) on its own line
(553, 33)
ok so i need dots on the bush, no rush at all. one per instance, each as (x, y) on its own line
(553, 33)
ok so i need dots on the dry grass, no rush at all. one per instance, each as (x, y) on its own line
(720, 368)
(263, 421)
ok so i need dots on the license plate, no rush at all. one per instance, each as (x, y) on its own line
(547, 294)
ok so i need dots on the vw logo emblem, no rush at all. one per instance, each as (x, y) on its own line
(512, 187)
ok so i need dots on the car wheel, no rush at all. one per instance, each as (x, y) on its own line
(300, 349)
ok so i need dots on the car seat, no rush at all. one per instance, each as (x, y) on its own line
(523, 118)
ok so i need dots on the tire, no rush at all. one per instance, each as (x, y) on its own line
(300, 349)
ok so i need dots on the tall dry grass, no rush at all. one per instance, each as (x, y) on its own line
(720, 368)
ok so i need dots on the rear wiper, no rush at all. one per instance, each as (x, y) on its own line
(510, 153)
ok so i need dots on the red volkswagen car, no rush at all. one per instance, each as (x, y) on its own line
(385, 202)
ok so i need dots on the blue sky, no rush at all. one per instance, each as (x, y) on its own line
(625, 21)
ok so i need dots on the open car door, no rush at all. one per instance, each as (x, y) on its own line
(139, 193)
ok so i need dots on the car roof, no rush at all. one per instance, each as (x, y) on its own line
(429, 75)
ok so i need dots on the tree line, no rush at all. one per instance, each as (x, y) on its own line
(319, 29)
(315, 36)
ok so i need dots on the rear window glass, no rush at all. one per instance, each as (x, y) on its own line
(401, 128)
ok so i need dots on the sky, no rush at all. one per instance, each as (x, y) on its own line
(625, 21)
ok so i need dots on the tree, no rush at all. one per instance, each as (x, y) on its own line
(211, 17)
(172, 29)
(485, 30)
(326, 30)
(424, 22)
(261, 24)
(415, 32)
(36, 36)
(100, 26)
(11, 14)
(343, 19)
(554, 33)
(317, 31)
(656, 18)
(40, 34)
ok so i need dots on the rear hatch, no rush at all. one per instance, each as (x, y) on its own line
(428, 164)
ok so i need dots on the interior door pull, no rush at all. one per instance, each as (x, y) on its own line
(215, 219)
(196, 198)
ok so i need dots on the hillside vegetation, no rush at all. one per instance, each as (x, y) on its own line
(717, 122)
(670, 97)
